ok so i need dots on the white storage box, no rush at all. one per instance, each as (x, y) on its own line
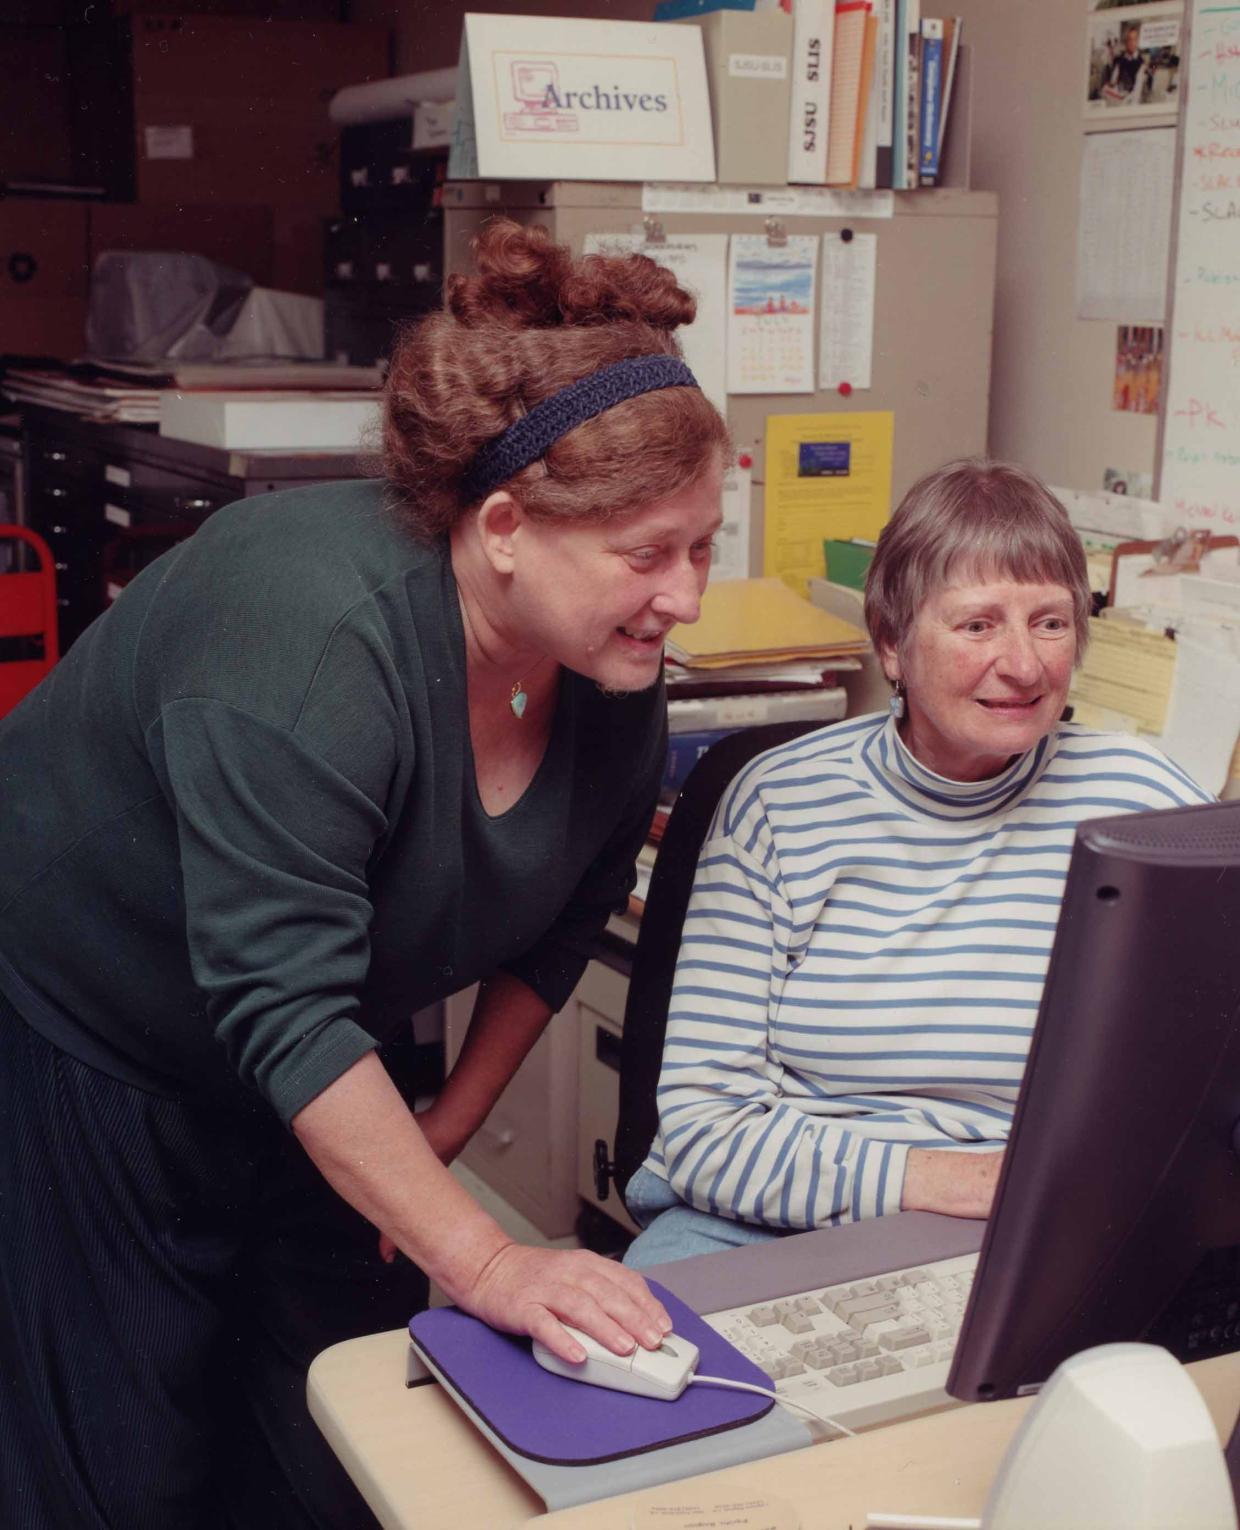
(256, 420)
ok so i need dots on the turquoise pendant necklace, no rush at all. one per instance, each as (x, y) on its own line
(518, 700)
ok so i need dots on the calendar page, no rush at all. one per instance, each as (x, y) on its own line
(771, 314)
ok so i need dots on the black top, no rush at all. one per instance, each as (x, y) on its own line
(241, 831)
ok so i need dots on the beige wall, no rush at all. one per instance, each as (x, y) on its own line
(1052, 373)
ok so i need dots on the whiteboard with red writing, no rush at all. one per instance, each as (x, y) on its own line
(1200, 467)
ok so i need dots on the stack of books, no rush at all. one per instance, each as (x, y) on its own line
(872, 85)
(759, 653)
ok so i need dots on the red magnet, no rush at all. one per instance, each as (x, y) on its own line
(744, 460)
(845, 389)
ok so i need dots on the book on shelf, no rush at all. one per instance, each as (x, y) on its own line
(883, 91)
(931, 100)
(912, 84)
(952, 26)
(904, 93)
(863, 155)
(849, 90)
(813, 40)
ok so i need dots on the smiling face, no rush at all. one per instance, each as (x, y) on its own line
(599, 597)
(986, 671)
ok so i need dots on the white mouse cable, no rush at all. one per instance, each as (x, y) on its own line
(745, 1386)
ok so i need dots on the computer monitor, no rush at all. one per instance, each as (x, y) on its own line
(1117, 1214)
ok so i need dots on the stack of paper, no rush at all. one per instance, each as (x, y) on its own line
(760, 624)
(128, 392)
(92, 397)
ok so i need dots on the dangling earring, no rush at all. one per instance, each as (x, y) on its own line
(896, 705)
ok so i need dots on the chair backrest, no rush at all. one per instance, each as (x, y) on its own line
(658, 944)
(27, 619)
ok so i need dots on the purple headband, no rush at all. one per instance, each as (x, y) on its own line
(527, 439)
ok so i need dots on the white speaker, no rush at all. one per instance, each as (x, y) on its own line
(1118, 1439)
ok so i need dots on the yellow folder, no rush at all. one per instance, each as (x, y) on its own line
(761, 621)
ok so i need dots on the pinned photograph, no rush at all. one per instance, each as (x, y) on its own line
(1139, 484)
(1133, 62)
(1138, 368)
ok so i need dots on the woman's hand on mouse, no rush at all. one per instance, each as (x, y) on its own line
(535, 1290)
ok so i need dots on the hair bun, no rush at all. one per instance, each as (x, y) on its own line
(527, 281)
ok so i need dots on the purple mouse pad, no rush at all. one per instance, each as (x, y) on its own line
(570, 1423)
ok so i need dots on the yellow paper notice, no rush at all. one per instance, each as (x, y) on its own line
(827, 475)
(1126, 677)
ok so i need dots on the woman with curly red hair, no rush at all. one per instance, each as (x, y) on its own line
(347, 750)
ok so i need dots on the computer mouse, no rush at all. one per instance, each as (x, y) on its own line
(664, 1372)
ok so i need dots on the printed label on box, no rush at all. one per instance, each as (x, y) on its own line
(575, 99)
(758, 66)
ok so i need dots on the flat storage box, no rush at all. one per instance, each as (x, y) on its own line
(260, 421)
(749, 67)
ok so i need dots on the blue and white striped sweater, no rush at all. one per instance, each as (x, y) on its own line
(862, 963)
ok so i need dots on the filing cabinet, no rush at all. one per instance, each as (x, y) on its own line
(108, 499)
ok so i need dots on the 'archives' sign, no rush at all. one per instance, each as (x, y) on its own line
(542, 98)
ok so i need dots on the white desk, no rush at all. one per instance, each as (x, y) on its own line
(421, 1465)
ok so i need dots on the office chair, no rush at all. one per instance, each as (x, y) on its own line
(29, 645)
(658, 944)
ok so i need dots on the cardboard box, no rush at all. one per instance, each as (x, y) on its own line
(749, 68)
(230, 110)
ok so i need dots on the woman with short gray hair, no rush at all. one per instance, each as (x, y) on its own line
(864, 951)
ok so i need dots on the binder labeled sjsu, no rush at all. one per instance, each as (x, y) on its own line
(813, 34)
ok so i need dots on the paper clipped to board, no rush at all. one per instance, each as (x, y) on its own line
(827, 475)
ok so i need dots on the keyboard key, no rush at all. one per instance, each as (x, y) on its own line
(844, 1376)
(857, 1306)
(762, 1317)
(903, 1338)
